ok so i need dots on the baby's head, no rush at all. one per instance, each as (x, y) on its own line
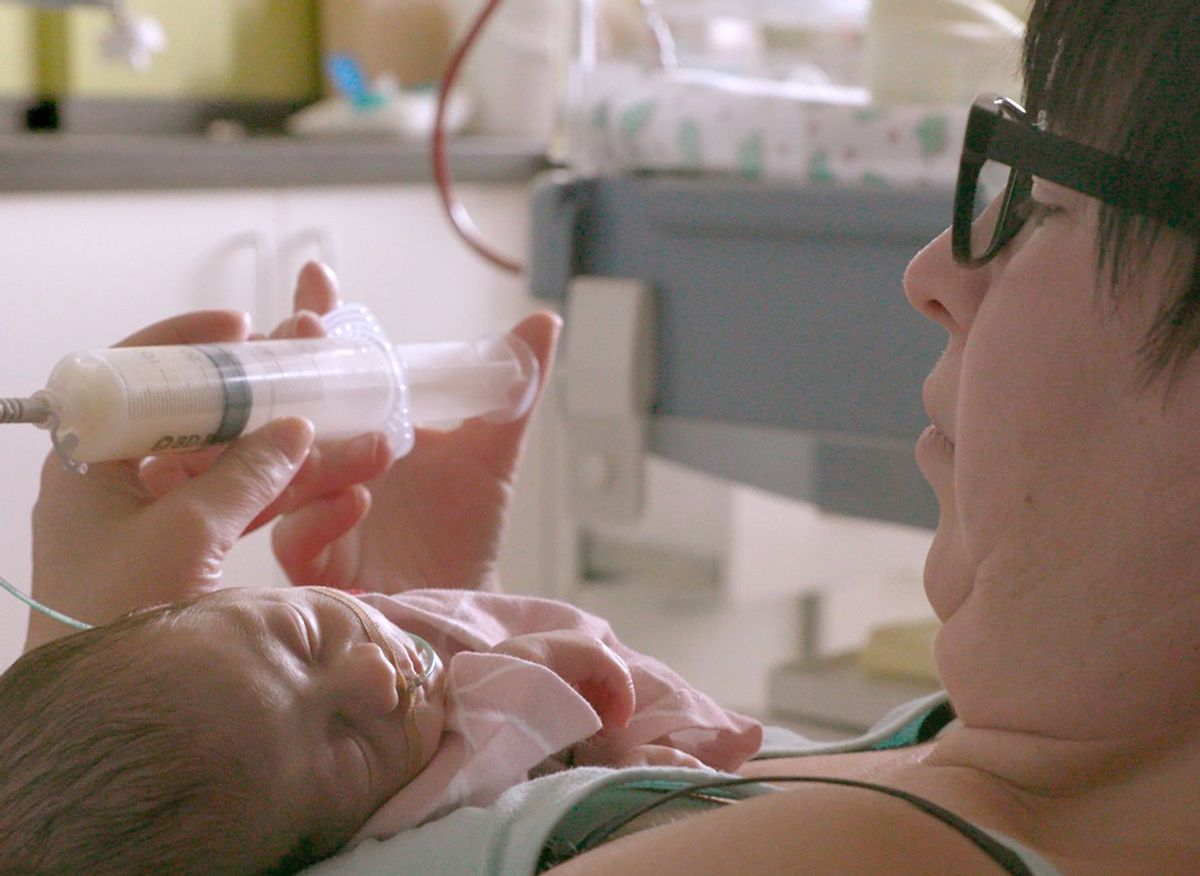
(247, 732)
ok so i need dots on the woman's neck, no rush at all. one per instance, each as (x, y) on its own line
(1077, 793)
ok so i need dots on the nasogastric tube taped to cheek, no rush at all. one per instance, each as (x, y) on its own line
(130, 402)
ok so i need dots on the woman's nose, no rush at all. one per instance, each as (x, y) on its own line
(362, 681)
(942, 290)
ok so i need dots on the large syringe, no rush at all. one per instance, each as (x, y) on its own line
(129, 402)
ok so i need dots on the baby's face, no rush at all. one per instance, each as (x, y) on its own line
(321, 689)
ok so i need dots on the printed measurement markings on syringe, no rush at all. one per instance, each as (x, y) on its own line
(217, 394)
(174, 387)
(212, 391)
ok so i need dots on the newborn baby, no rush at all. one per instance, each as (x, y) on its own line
(258, 731)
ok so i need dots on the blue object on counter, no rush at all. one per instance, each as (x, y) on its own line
(347, 76)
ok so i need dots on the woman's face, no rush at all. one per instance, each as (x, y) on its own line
(1066, 550)
(300, 677)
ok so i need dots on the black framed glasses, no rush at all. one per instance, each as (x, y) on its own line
(1004, 150)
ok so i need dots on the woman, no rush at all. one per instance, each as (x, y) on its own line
(1065, 415)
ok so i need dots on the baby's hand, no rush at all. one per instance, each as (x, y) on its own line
(584, 662)
(658, 755)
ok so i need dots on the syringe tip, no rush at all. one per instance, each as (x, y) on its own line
(24, 410)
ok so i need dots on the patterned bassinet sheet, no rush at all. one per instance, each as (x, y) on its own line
(628, 119)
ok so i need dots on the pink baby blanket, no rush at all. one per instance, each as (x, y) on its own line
(506, 715)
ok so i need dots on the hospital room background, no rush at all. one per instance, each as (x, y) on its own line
(712, 192)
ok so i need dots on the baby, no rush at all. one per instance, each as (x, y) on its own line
(259, 731)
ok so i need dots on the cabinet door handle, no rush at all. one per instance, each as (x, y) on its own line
(225, 281)
(264, 307)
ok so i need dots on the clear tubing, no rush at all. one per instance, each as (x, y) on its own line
(47, 610)
(130, 402)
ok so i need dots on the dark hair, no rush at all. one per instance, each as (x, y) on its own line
(104, 775)
(1124, 75)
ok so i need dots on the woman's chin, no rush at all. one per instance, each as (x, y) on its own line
(946, 585)
(943, 602)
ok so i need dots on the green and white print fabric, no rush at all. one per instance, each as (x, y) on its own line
(681, 121)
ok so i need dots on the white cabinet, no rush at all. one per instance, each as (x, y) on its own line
(394, 251)
(83, 270)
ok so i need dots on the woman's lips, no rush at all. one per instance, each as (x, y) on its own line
(934, 443)
(943, 437)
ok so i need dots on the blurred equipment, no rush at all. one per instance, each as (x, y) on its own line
(942, 51)
(134, 39)
(382, 60)
(405, 41)
(250, 62)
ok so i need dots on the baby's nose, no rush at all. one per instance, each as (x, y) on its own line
(364, 680)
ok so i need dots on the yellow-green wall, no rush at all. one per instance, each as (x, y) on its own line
(17, 58)
(241, 49)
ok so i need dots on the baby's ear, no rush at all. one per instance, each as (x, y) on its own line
(304, 854)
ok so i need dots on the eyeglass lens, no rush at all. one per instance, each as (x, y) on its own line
(1000, 208)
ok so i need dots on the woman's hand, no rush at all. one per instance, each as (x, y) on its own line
(436, 516)
(142, 532)
(329, 486)
(104, 544)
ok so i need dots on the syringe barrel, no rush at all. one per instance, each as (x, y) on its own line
(135, 401)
